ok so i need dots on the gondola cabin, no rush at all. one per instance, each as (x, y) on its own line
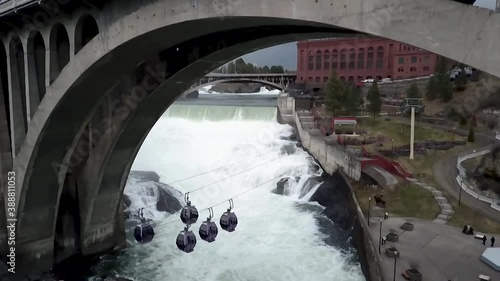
(144, 233)
(186, 241)
(228, 221)
(208, 231)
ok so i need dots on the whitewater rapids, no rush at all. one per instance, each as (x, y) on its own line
(275, 239)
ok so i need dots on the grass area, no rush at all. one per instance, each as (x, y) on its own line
(405, 200)
(400, 132)
(422, 164)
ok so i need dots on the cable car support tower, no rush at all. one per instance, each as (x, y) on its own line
(412, 106)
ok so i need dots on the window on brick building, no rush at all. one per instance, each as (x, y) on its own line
(369, 77)
(361, 58)
(352, 59)
(343, 54)
(335, 59)
(351, 79)
(310, 79)
(380, 57)
(426, 68)
(413, 69)
(326, 64)
(369, 62)
(360, 78)
(325, 79)
(310, 61)
(318, 60)
(318, 80)
(413, 59)
(426, 59)
(400, 69)
(401, 60)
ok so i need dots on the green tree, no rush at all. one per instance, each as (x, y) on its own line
(471, 137)
(444, 88)
(431, 89)
(231, 68)
(266, 69)
(352, 100)
(413, 92)
(374, 100)
(334, 95)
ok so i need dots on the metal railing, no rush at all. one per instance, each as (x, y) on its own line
(468, 187)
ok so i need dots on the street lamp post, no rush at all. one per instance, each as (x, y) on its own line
(364, 138)
(460, 193)
(369, 208)
(392, 150)
(395, 260)
(380, 238)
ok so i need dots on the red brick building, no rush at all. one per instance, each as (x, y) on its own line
(356, 59)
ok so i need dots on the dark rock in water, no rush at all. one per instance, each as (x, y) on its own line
(193, 95)
(314, 168)
(299, 144)
(126, 200)
(280, 186)
(168, 199)
(288, 149)
(333, 194)
(145, 176)
(291, 137)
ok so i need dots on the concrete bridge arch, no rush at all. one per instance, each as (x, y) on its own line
(95, 113)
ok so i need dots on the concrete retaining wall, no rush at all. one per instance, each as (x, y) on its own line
(366, 249)
(466, 186)
(329, 155)
(286, 108)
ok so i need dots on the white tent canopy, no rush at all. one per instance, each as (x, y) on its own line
(491, 256)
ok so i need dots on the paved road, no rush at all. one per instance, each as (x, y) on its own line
(445, 173)
(441, 251)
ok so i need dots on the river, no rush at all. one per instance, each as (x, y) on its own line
(232, 152)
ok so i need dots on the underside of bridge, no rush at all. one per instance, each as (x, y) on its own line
(86, 152)
(107, 82)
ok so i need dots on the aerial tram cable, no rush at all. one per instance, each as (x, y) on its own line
(165, 224)
(213, 170)
(210, 184)
(186, 240)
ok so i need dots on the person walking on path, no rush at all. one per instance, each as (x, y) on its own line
(484, 240)
(492, 241)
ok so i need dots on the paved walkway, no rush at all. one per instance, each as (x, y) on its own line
(441, 251)
(445, 173)
(446, 208)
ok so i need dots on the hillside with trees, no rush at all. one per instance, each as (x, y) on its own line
(240, 66)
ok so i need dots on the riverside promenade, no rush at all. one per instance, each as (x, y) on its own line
(441, 251)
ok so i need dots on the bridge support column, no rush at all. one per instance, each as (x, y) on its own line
(497, 6)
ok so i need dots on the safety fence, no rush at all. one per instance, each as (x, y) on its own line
(466, 186)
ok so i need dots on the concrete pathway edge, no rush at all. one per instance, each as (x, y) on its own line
(446, 208)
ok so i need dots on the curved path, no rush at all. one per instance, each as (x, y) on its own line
(445, 172)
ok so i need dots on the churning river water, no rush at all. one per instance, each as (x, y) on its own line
(247, 153)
